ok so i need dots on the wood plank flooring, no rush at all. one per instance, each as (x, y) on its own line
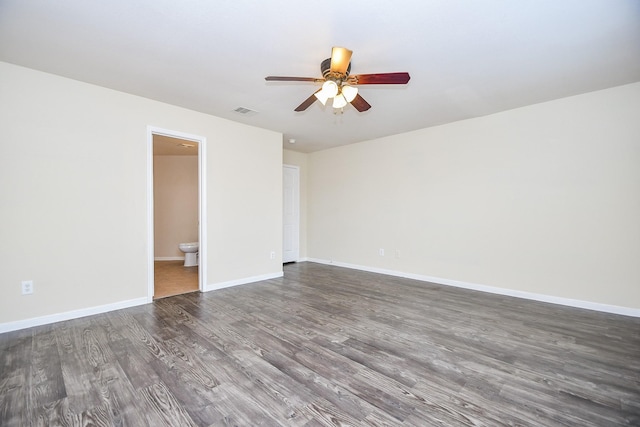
(327, 346)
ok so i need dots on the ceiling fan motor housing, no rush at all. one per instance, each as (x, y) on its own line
(325, 67)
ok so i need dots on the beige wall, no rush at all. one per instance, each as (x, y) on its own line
(294, 158)
(543, 199)
(175, 197)
(73, 185)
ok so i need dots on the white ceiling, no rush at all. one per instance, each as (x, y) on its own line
(467, 58)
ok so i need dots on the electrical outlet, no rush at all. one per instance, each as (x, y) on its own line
(381, 251)
(397, 253)
(273, 255)
(27, 287)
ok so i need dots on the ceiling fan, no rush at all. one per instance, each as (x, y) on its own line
(339, 85)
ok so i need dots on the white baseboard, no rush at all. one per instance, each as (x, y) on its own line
(243, 281)
(169, 258)
(606, 308)
(74, 314)
(297, 260)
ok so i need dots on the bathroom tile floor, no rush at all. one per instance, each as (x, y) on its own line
(173, 278)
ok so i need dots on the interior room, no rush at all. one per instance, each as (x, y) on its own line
(176, 216)
(465, 204)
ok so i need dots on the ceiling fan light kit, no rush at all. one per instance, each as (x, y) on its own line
(339, 101)
(340, 94)
(339, 85)
(349, 92)
(329, 90)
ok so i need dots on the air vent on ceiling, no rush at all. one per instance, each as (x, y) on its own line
(245, 111)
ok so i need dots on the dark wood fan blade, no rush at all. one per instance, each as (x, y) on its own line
(360, 104)
(380, 79)
(340, 59)
(292, 79)
(307, 102)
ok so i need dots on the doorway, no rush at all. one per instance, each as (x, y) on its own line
(291, 213)
(176, 212)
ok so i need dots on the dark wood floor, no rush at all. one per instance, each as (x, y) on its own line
(326, 346)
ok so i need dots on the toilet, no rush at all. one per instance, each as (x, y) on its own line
(190, 253)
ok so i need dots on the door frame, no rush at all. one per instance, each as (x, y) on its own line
(202, 205)
(296, 169)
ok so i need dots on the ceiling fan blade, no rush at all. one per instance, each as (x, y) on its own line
(292, 79)
(340, 59)
(360, 104)
(380, 79)
(307, 102)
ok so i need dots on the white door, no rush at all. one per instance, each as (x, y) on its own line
(291, 213)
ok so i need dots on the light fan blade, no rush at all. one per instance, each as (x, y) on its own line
(340, 59)
(307, 102)
(380, 79)
(360, 104)
(292, 79)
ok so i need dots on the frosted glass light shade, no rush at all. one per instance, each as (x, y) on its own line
(349, 92)
(339, 101)
(330, 88)
(322, 96)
